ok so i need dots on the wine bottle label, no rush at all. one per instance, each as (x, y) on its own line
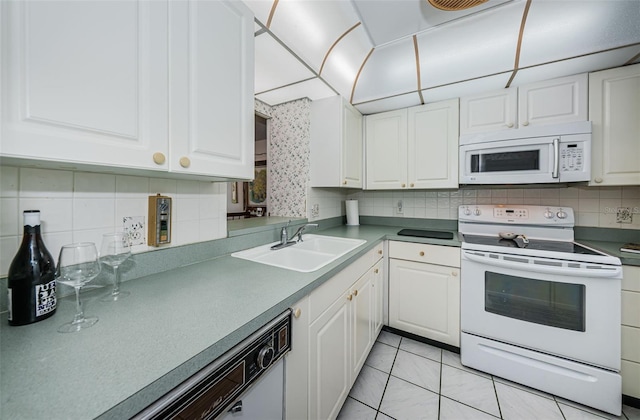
(45, 298)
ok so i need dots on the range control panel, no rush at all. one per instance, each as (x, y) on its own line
(517, 214)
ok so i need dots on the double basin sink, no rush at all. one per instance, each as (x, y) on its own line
(313, 253)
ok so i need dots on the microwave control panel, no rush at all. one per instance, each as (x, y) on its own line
(572, 157)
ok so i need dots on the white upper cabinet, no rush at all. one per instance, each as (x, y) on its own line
(85, 82)
(413, 148)
(386, 150)
(547, 102)
(432, 148)
(336, 144)
(614, 110)
(211, 61)
(88, 84)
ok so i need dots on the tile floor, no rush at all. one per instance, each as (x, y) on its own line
(407, 379)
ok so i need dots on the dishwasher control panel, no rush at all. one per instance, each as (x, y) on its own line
(209, 392)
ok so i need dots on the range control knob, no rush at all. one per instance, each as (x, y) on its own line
(561, 214)
(477, 212)
(549, 214)
(265, 356)
(467, 211)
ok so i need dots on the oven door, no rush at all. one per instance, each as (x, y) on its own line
(522, 161)
(557, 307)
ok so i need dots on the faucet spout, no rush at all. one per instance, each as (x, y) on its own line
(302, 229)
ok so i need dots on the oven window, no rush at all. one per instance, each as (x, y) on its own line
(506, 161)
(542, 302)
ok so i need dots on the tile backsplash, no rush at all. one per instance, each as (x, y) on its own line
(593, 206)
(81, 206)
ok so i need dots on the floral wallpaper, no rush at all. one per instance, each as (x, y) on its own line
(289, 158)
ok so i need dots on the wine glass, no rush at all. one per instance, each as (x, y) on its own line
(115, 249)
(78, 264)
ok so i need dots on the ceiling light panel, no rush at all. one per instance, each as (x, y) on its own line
(388, 104)
(342, 65)
(466, 88)
(310, 28)
(584, 64)
(388, 21)
(481, 45)
(559, 29)
(313, 89)
(275, 66)
(390, 70)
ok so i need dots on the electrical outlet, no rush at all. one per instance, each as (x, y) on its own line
(315, 210)
(624, 215)
(134, 227)
(399, 207)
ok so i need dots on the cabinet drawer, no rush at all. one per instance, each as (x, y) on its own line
(631, 278)
(631, 309)
(631, 343)
(432, 254)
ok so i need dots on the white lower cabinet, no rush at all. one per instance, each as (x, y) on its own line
(424, 290)
(630, 367)
(335, 329)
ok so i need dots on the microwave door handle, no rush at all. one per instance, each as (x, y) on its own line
(556, 158)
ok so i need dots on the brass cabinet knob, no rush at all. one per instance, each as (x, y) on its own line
(380, 251)
(525, 123)
(411, 185)
(344, 182)
(350, 297)
(422, 253)
(185, 162)
(297, 312)
(376, 271)
(355, 292)
(159, 158)
(598, 180)
(404, 185)
(454, 273)
(510, 125)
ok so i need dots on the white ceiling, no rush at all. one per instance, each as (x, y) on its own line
(388, 54)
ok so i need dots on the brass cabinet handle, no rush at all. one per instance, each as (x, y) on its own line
(376, 271)
(185, 162)
(344, 182)
(422, 253)
(297, 312)
(159, 158)
(355, 292)
(411, 185)
(350, 297)
(404, 185)
(380, 251)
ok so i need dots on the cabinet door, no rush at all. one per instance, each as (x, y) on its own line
(553, 101)
(433, 145)
(492, 111)
(211, 79)
(352, 156)
(614, 109)
(363, 306)
(424, 300)
(329, 361)
(85, 82)
(378, 298)
(386, 144)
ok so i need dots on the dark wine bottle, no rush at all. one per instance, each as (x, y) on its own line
(32, 285)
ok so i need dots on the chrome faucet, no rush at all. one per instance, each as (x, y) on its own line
(301, 229)
(284, 236)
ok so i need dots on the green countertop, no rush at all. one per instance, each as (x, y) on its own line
(172, 325)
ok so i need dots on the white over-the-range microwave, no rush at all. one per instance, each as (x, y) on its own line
(530, 155)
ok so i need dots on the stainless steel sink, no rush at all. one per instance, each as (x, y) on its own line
(313, 253)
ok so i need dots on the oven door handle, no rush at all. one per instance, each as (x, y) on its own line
(601, 271)
(556, 158)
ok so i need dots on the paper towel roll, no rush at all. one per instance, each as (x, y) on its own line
(353, 219)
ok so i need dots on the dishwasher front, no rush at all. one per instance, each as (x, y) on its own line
(245, 382)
